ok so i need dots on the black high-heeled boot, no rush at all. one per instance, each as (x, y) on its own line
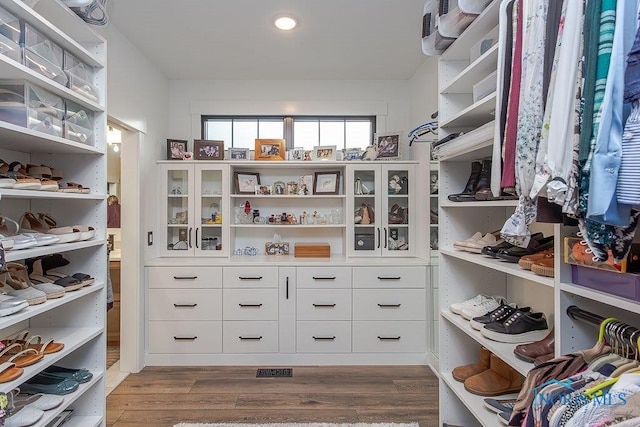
(469, 191)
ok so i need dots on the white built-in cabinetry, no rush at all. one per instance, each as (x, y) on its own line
(78, 318)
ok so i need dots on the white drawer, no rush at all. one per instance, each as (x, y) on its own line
(389, 304)
(250, 337)
(323, 337)
(185, 304)
(389, 277)
(250, 304)
(320, 304)
(185, 277)
(389, 337)
(323, 277)
(250, 277)
(185, 337)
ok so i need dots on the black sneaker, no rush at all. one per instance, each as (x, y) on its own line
(518, 328)
(498, 315)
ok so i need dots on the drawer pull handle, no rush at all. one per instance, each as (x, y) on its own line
(324, 278)
(324, 338)
(389, 278)
(185, 338)
(250, 305)
(250, 338)
(185, 277)
(250, 278)
(388, 305)
(184, 305)
(324, 305)
(389, 338)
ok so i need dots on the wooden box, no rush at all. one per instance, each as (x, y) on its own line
(312, 250)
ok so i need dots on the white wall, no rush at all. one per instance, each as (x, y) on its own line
(423, 87)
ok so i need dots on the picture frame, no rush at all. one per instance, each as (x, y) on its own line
(245, 182)
(292, 188)
(326, 182)
(296, 154)
(176, 149)
(325, 152)
(308, 156)
(351, 154)
(279, 188)
(305, 185)
(276, 248)
(270, 149)
(387, 145)
(262, 190)
(208, 149)
(238, 153)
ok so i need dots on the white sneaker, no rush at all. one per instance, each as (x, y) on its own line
(483, 308)
(459, 306)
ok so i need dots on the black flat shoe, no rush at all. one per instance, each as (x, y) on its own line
(515, 253)
(492, 251)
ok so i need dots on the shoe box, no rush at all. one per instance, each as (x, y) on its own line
(364, 242)
(576, 252)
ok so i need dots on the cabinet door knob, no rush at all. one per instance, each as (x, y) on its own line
(324, 278)
(324, 338)
(184, 305)
(185, 277)
(250, 305)
(388, 305)
(389, 278)
(324, 305)
(250, 338)
(250, 278)
(389, 338)
(185, 338)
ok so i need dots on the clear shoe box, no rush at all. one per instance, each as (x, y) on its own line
(10, 34)
(43, 56)
(29, 106)
(81, 77)
(78, 123)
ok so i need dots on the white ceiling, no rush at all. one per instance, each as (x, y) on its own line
(235, 39)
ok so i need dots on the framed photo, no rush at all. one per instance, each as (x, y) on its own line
(292, 188)
(270, 149)
(296, 154)
(238, 153)
(326, 182)
(305, 185)
(245, 182)
(276, 248)
(208, 150)
(308, 155)
(176, 148)
(352, 154)
(279, 188)
(263, 190)
(387, 145)
(324, 152)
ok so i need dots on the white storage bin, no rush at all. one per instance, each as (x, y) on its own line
(10, 33)
(485, 87)
(81, 77)
(473, 6)
(478, 49)
(434, 44)
(454, 23)
(31, 107)
(43, 55)
(78, 123)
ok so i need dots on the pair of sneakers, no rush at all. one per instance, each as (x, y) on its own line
(477, 242)
(477, 306)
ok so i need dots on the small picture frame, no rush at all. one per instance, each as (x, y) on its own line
(279, 188)
(325, 152)
(296, 154)
(352, 154)
(263, 190)
(208, 150)
(270, 149)
(176, 149)
(326, 182)
(238, 153)
(292, 188)
(387, 145)
(308, 156)
(305, 185)
(245, 182)
(276, 248)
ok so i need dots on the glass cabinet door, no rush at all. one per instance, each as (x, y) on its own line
(365, 218)
(209, 217)
(178, 215)
(398, 230)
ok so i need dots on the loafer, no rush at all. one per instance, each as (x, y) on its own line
(544, 266)
(49, 384)
(492, 251)
(520, 327)
(23, 416)
(514, 253)
(43, 402)
(80, 375)
(462, 244)
(530, 352)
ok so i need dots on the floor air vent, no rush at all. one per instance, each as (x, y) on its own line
(276, 372)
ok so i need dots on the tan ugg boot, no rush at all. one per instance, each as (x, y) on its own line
(461, 373)
(499, 379)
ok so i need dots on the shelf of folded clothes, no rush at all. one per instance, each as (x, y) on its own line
(472, 145)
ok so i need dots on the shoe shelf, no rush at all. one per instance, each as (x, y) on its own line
(16, 255)
(473, 145)
(474, 403)
(76, 419)
(9, 193)
(498, 265)
(479, 204)
(18, 138)
(73, 338)
(287, 226)
(463, 81)
(475, 115)
(602, 297)
(293, 196)
(503, 350)
(34, 310)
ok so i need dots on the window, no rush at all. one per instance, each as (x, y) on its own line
(298, 131)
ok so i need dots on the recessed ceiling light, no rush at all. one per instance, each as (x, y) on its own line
(285, 23)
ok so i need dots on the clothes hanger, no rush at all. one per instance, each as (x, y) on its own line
(605, 331)
(629, 362)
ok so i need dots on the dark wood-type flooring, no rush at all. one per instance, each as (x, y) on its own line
(164, 396)
(113, 355)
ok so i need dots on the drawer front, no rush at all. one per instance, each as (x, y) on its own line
(250, 337)
(389, 277)
(323, 337)
(323, 277)
(250, 277)
(250, 304)
(389, 337)
(185, 337)
(389, 304)
(185, 277)
(320, 304)
(185, 304)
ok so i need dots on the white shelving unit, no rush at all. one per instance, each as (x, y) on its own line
(464, 275)
(78, 318)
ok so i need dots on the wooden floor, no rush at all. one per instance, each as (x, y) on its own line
(163, 396)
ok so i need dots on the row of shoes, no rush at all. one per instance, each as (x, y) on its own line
(39, 230)
(478, 187)
(498, 320)
(36, 177)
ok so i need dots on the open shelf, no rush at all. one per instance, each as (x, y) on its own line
(476, 114)
(76, 419)
(464, 81)
(18, 138)
(474, 403)
(15, 255)
(471, 146)
(10, 193)
(288, 196)
(479, 204)
(603, 297)
(485, 22)
(285, 226)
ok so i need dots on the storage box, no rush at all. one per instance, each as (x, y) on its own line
(623, 285)
(485, 87)
(78, 123)
(577, 252)
(485, 43)
(10, 33)
(81, 77)
(364, 242)
(29, 106)
(43, 56)
(312, 250)
(276, 248)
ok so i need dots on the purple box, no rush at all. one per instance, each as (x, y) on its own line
(624, 285)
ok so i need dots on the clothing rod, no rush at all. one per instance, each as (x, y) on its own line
(629, 333)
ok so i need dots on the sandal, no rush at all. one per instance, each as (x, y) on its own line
(86, 231)
(16, 171)
(9, 372)
(20, 358)
(73, 187)
(35, 342)
(10, 287)
(20, 277)
(82, 278)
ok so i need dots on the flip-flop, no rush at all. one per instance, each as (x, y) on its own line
(9, 372)
(21, 358)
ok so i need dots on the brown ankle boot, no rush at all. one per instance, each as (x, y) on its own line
(461, 373)
(499, 379)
